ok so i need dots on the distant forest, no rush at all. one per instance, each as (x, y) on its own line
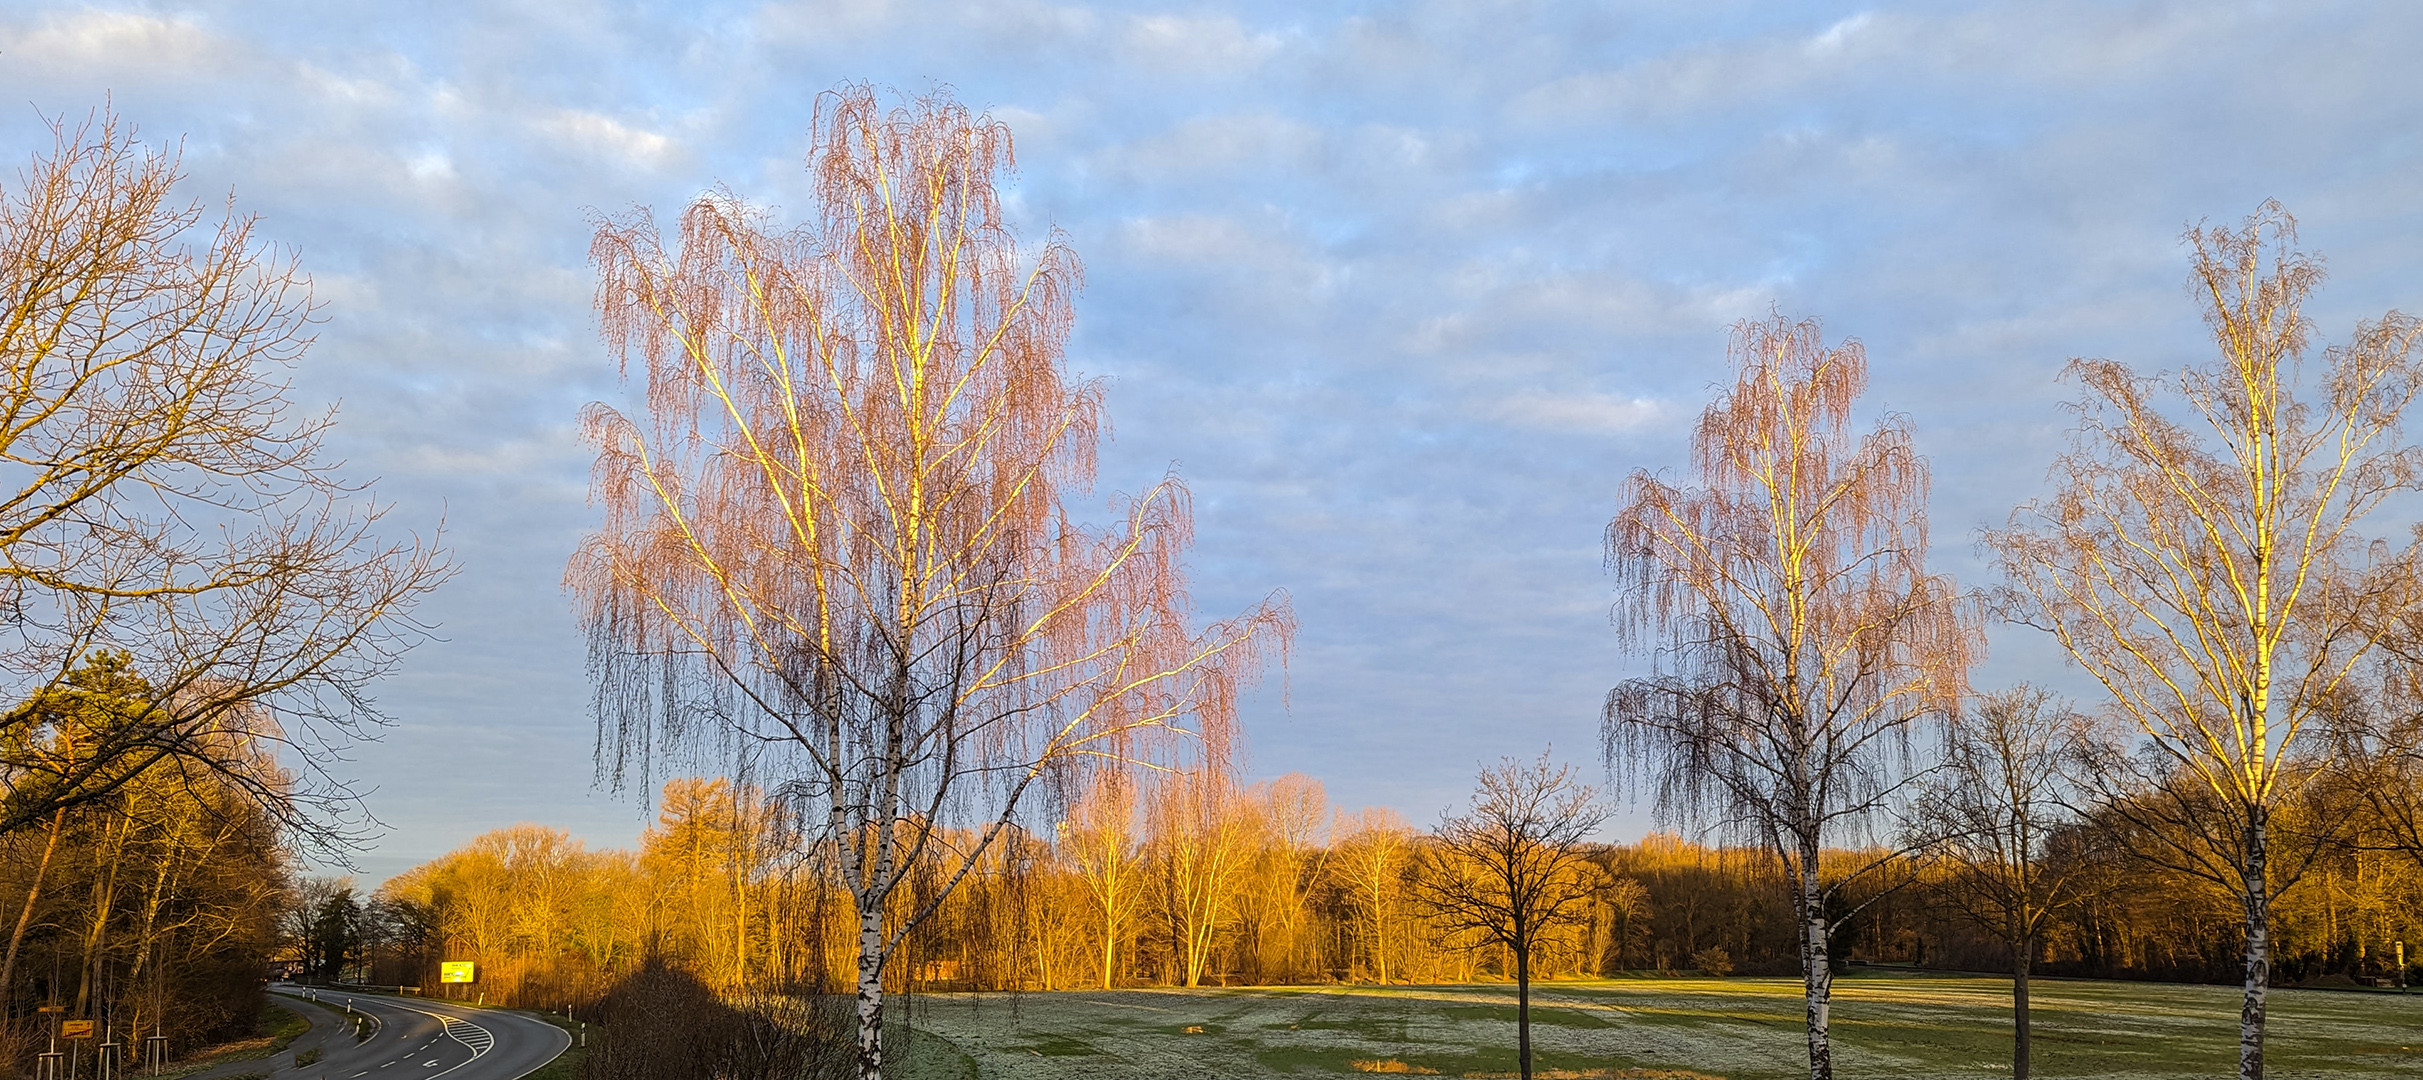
(1286, 890)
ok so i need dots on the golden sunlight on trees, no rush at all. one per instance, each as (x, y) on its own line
(148, 907)
(1511, 869)
(1100, 839)
(188, 593)
(1373, 862)
(1201, 834)
(720, 893)
(2205, 558)
(167, 505)
(837, 538)
(1797, 632)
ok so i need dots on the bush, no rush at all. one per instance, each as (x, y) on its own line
(307, 1057)
(667, 1025)
(1712, 961)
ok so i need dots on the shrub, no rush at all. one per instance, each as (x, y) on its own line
(1712, 961)
(307, 1057)
(668, 1026)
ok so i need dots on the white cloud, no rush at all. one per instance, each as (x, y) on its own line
(606, 136)
(430, 165)
(1831, 41)
(1197, 45)
(84, 40)
(1586, 413)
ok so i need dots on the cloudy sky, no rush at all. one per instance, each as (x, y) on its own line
(1403, 290)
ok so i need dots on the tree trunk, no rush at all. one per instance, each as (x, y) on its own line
(1522, 997)
(1816, 964)
(25, 915)
(1379, 940)
(2023, 956)
(870, 988)
(2258, 947)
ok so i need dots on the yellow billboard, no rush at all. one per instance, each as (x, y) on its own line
(455, 971)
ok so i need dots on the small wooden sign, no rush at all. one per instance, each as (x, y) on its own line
(75, 1029)
(52, 1008)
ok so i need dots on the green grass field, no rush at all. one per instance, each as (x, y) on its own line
(1740, 1029)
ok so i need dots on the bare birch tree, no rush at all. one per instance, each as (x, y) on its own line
(1099, 836)
(1512, 868)
(1797, 632)
(166, 504)
(837, 543)
(2205, 556)
(1375, 850)
(1202, 839)
(1998, 808)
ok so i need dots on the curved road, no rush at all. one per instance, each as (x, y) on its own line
(418, 1039)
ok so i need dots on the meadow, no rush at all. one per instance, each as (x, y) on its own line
(1885, 1024)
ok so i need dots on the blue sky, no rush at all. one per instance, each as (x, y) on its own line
(1402, 290)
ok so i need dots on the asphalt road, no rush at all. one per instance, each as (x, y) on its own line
(417, 1039)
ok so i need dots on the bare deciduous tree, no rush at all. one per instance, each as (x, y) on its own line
(1375, 849)
(2211, 570)
(837, 544)
(1797, 631)
(1099, 836)
(1512, 868)
(1202, 836)
(1998, 808)
(165, 505)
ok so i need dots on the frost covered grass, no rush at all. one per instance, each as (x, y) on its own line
(1885, 1024)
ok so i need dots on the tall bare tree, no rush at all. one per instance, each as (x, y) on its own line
(2000, 809)
(1513, 869)
(166, 503)
(837, 541)
(1797, 632)
(1201, 842)
(2205, 555)
(1099, 836)
(1375, 850)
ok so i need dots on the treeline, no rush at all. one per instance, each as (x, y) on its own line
(1194, 881)
(150, 910)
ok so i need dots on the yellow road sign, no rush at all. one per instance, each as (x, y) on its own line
(75, 1029)
(455, 971)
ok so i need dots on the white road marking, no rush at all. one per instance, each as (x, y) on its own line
(474, 1037)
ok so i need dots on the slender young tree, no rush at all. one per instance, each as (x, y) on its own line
(1797, 632)
(837, 542)
(1999, 809)
(2205, 556)
(1512, 868)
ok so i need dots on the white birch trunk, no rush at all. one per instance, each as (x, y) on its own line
(2258, 948)
(870, 991)
(1816, 964)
